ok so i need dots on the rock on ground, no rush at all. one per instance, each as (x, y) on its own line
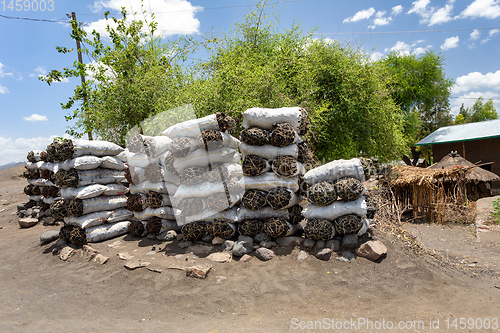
(264, 254)
(324, 254)
(290, 241)
(28, 222)
(221, 257)
(49, 236)
(302, 255)
(199, 272)
(372, 250)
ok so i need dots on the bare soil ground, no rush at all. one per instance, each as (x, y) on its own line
(460, 278)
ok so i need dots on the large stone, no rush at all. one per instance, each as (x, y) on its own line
(264, 254)
(290, 241)
(49, 236)
(170, 236)
(134, 264)
(262, 237)
(302, 255)
(246, 258)
(324, 254)
(320, 244)
(199, 272)
(243, 245)
(218, 241)
(221, 257)
(228, 245)
(207, 238)
(268, 245)
(49, 220)
(124, 256)
(333, 244)
(28, 222)
(88, 252)
(346, 256)
(309, 243)
(201, 250)
(185, 244)
(372, 250)
(100, 259)
(66, 253)
(350, 242)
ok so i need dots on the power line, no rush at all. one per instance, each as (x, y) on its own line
(399, 32)
(34, 19)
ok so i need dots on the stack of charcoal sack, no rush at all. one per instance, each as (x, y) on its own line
(41, 190)
(93, 197)
(205, 156)
(337, 195)
(152, 185)
(273, 164)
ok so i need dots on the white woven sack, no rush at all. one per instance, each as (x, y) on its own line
(140, 160)
(102, 202)
(88, 220)
(85, 192)
(269, 180)
(32, 166)
(269, 152)
(95, 148)
(115, 189)
(165, 188)
(261, 214)
(54, 167)
(167, 213)
(192, 128)
(299, 166)
(40, 182)
(202, 158)
(119, 215)
(100, 176)
(123, 156)
(335, 170)
(199, 190)
(265, 118)
(365, 226)
(336, 209)
(107, 231)
(161, 145)
(87, 162)
(112, 162)
(50, 201)
(36, 198)
(37, 154)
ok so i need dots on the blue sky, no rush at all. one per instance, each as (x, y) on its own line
(465, 32)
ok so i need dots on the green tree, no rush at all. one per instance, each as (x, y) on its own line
(129, 76)
(257, 65)
(480, 111)
(419, 87)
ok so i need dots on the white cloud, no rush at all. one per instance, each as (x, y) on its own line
(407, 49)
(475, 34)
(401, 47)
(4, 90)
(469, 99)
(361, 15)
(3, 73)
(173, 16)
(375, 56)
(450, 43)
(482, 8)
(420, 8)
(380, 19)
(442, 15)
(15, 150)
(34, 118)
(476, 80)
(396, 10)
(492, 33)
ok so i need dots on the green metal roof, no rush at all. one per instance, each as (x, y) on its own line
(466, 132)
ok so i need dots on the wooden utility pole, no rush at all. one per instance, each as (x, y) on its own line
(82, 76)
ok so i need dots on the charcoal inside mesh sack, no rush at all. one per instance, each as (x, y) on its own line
(154, 225)
(193, 175)
(348, 224)
(136, 202)
(251, 227)
(137, 228)
(135, 143)
(254, 199)
(305, 155)
(281, 197)
(153, 173)
(322, 193)
(372, 206)
(349, 189)
(319, 229)
(156, 145)
(156, 200)
(194, 231)
(254, 165)
(295, 214)
(254, 136)
(218, 201)
(191, 206)
(282, 135)
(220, 228)
(368, 167)
(286, 166)
(211, 139)
(276, 227)
(78, 236)
(181, 147)
(59, 210)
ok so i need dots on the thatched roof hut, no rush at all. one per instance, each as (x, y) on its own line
(432, 191)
